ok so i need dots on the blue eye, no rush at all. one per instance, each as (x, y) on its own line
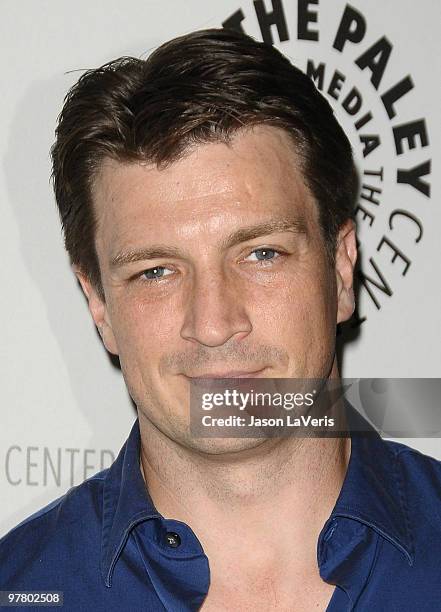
(264, 254)
(155, 273)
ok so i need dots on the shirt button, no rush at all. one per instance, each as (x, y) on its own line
(173, 539)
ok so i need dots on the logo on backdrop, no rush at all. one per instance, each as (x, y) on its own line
(43, 466)
(399, 229)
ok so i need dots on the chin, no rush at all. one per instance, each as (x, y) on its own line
(222, 447)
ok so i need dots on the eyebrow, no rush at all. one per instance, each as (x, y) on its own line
(295, 226)
(243, 234)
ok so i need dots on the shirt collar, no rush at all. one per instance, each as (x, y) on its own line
(126, 502)
(373, 488)
(372, 493)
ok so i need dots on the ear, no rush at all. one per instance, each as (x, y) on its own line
(345, 258)
(98, 310)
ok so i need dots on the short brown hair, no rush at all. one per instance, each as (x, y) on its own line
(198, 88)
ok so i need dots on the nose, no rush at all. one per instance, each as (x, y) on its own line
(215, 311)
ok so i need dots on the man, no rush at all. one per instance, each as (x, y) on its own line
(206, 198)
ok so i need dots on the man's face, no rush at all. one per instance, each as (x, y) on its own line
(214, 266)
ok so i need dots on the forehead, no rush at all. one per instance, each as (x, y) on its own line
(258, 173)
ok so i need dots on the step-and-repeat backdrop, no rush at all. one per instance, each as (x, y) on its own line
(65, 411)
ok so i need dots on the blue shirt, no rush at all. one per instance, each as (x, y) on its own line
(107, 548)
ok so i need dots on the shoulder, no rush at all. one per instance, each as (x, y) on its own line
(70, 525)
(420, 475)
(412, 458)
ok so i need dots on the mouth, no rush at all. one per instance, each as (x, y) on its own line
(226, 374)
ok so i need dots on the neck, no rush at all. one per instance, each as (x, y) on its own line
(277, 495)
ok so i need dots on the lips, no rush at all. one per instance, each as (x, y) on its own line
(215, 381)
(227, 374)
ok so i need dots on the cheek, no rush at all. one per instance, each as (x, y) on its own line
(298, 312)
(143, 330)
(296, 299)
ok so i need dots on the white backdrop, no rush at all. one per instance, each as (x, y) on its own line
(65, 409)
